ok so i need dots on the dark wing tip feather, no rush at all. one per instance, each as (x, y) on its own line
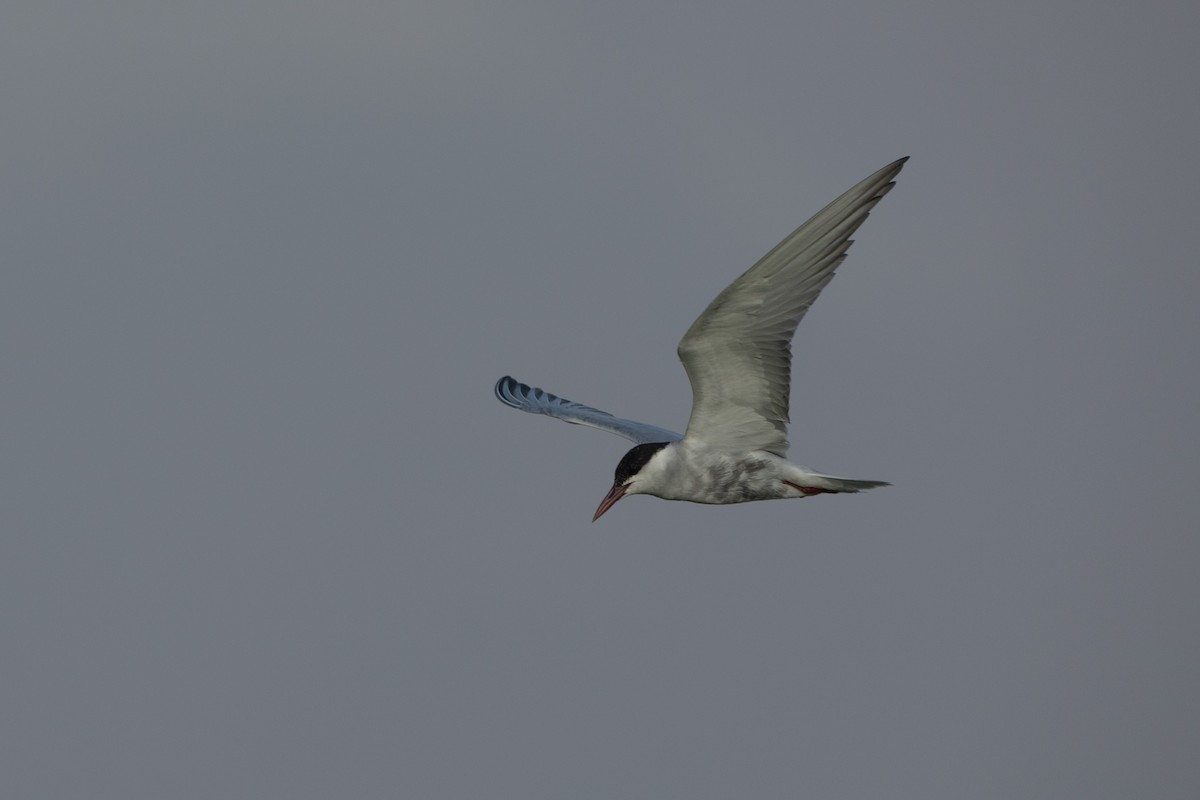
(524, 397)
(507, 389)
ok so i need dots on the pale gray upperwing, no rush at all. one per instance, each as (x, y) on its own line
(738, 352)
(513, 393)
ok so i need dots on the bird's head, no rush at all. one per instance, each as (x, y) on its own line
(629, 472)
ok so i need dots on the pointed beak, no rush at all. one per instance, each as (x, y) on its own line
(610, 499)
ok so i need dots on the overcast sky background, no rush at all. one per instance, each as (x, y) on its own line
(266, 532)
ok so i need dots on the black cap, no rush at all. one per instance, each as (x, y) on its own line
(633, 461)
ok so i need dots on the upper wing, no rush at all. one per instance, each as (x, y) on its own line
(513, 393)
(738, 352)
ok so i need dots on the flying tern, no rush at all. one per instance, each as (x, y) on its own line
(737, 355)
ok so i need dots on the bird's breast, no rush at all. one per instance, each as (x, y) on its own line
(702, 475)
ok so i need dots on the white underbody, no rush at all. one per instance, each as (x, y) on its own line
(698, 473)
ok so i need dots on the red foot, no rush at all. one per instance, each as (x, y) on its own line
(808, 489)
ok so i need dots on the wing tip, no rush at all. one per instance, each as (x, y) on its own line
(507, 389)
(888, 176)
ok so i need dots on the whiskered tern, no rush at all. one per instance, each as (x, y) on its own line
(738, 357)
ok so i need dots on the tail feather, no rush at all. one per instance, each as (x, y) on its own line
(833, 485)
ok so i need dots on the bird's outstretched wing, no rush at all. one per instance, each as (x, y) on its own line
(513, 393)
(738, 352)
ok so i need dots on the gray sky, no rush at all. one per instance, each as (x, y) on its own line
(268, 534)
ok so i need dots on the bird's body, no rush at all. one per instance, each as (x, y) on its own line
(738, 358)
(701, 473)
